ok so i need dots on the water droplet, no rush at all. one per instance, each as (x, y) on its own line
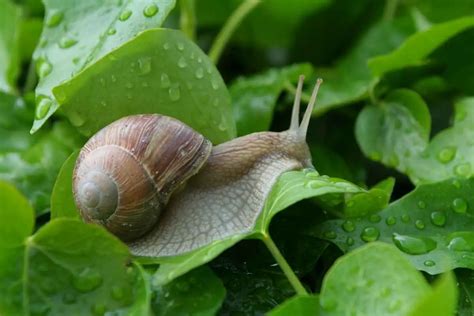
(330, 234)
(76, 60)
(150, 10)
(438, 218)
(199, 60)
(180, 46)
(375, 218)
(113, 78)
(456, 183)
(421, 204)
(87, 280)
(42, 109)
(144, 65)
(182, 62)
(461, 241)
(166, 46)
(111, 31)
(215, 84)
(459, 205)
(391, 220)
(370, 234)
(413, 245)
(66, 42)
(129, 85)
(54, 18)
(405, 218)
(43, 67)
(419, 224)
(348, 226)
(165, 81)
(447, 154)
(98, 309)
(199, 73)
(174, 92)
(463, 169)
(429, 263)
(125, 15)
(69, 298)
(43, 42)
(350, 241)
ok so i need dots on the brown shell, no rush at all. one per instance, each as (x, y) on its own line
(125, 173)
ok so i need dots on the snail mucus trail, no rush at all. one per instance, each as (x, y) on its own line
(127, 175)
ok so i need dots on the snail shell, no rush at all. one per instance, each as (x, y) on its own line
(126, 173)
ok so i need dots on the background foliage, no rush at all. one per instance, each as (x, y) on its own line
(392, 139)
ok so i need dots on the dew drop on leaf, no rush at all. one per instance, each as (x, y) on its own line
(174, 93)
(391, 220)
(66, 42)
(350, 241)
(438, 218)
(180, 46)
(348, 226)
(98, 309)
(199, 73)
(413, 245)
(125, 15)
(459, 205)
(419, 224)
(330, 234)
(87, 280)
(370, 234)
(129, 85)
(42, 109)
(374, 218)
(463, 169)
(144, 65)
(461, 241)
(54, 18)
(111, 31)
(165, 81)
(150, 10)
(447, 154)
(166, 46)
(429, 263)
(44, 67)
(421, 204)
(182, 62)
(456, 184)
(215, 84)
(405, 218)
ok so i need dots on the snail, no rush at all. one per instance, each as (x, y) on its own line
(163, 189)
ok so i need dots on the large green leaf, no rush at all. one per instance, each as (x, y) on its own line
(254, 98)
(432, 225)
(290, 188)
(160, 71)
(396, 133)
(419, 46)
(465, 279)
(89, 268)
(77, 34)
(10, 20)
(199, 292)
(299, 305)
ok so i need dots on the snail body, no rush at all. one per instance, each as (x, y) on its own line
(189, 194)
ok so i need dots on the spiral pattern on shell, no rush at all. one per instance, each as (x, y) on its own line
(125, 173)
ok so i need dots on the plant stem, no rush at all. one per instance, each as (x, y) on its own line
(285, 267)
(390, 9)
(229, 28)
(187, 19)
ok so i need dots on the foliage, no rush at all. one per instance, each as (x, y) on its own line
(384, 227)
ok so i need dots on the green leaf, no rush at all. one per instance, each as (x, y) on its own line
(396, 132)
(62, 199)
(290, 188)
(394, 283)
(441, 301)
(199, 292)
(160, 71)
(76, 35)
(254, 98)
(298, 305)
(89, 268)
(20, 222)
(10, 20)
(432, 225)
(419, 46)
(465, 279)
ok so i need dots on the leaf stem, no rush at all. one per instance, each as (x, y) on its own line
(285, 267)
(229, 28)
(187, 19)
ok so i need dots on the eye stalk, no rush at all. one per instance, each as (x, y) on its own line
(302, 129)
